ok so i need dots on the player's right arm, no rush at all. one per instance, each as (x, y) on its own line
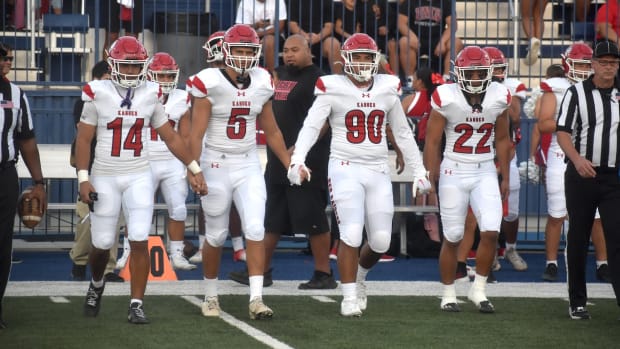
(546, 112)
(309, 133)
(432, 145)
(200, 115)
(85, 134)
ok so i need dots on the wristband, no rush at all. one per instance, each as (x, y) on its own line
(82, 176)
(194, 167)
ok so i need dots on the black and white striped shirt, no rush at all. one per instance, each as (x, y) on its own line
(15, 120)
(591, 115)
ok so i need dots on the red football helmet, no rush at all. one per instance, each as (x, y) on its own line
(164, 70)
(471, 60)
(242, 36)
(355, 44)
(127, 50)
(499, 61)
(213, 46)
(581, 54)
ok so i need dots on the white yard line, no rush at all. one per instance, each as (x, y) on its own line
(58, 299)
(324, 299)
(247, 329)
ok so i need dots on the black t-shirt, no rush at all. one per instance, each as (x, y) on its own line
(427, 19)
(310, 15)
(294, 94)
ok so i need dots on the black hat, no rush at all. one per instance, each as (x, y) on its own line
(606, 48)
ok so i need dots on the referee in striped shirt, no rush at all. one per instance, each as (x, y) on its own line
(587, 131)
(16, 137)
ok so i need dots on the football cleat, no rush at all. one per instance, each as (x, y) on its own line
(258, 310)
(362, 298)
(136, 315)
(515, 259)
(92, 304)
(211, 307)
(350, 308)
(196, 258)
(480, 300)
(180, 263)
(239, 255)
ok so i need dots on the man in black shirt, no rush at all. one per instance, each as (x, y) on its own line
(17, 137)
(587, 131)
(298, 209)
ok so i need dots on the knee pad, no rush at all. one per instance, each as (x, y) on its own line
(351, 234)
(102, 240)
(216, 239)
(254, 232)
(178, 212)
(379, 241)
(453, 228)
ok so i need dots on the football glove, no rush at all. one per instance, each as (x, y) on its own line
(529, 171)
(421, 184)
(295, 172)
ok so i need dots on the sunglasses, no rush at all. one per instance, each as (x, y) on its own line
(7, 58)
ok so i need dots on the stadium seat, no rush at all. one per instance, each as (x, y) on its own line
(65, 46)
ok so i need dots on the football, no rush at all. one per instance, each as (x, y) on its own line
(28, 210)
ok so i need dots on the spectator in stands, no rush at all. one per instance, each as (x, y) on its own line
(43, 7)
(314, 20)
(17, 137)
(577, 63)
(82, 240)
(360, 185)
(608, 22)
(262, 16)
(115, 17)
(121, 172)
(433, 32)
(532, 12)
(582, 7)
(297, 209)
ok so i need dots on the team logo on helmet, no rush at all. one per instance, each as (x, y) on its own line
(213, 47)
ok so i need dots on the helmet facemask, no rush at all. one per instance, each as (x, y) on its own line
(360, 71)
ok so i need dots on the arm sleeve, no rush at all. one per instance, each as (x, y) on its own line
(309, 133)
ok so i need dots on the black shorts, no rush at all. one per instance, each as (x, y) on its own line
(295, 209)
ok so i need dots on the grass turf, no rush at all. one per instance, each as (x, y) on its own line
(303, 322)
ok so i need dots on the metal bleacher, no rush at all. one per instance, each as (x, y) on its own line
(54, 56)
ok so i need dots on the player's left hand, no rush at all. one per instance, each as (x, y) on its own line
(400, 163)
(421, 184)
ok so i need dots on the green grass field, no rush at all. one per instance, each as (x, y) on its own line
(305, 322)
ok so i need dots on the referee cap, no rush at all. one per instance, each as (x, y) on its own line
(606, 48)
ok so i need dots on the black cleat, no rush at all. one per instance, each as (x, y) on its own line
(243, 277)
(136, 314)
(113, 277)
(320, 281)
(551, 272)
(451, 308)
(602, 273)
(486, 307)
(92, 304)
(578, 313)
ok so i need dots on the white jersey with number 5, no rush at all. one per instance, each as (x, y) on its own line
(232, 126)
(176, 105)
(121, 131)
(470, 132)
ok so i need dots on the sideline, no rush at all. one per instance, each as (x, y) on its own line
(289, 288)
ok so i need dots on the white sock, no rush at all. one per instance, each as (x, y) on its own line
(201, 241)
(511, 246)
(480, 282)
(599, 263)
(361, 273)
(552, 262)
(449, 291)
(349, 291)
(176, 247)
(97, 284)
(256, 286)
(237, 243)
(210, 287)
(135, 300)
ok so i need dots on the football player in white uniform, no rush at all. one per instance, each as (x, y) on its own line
(473, 114)
(215, 59)
(227, 104)
(577, 62)
(358, 105)
(118, 112)
(168, 171)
